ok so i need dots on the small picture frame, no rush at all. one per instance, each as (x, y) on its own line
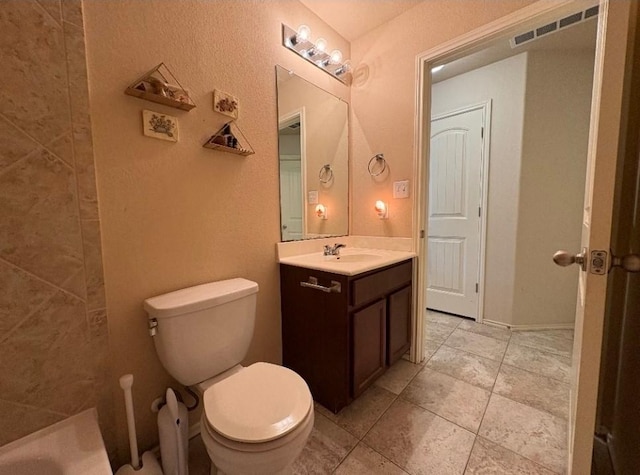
(225, 104)
(160, 126)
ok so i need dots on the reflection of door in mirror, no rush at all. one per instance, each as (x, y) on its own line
(314, 162)
(291, 151)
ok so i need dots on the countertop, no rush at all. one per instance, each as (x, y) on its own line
(351, 261)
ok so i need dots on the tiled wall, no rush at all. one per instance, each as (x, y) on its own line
(53, 321)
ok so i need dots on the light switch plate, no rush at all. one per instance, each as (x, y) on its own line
(401, 189)
(312, 197)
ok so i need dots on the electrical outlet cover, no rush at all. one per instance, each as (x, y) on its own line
(312, 197)
(401, 189)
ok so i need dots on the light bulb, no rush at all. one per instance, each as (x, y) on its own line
(335, 56)
(321, 211)
(437, 68)
(321, 45)
(303, 33)
(381, 209)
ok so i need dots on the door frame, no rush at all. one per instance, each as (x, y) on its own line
(485, 107)
(456, 47)
(297, 115)
(603, 144)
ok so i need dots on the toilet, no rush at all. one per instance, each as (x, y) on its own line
(255, 419)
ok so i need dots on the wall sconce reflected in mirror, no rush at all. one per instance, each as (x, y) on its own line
(321, 211)
(300, 43)
(382, 209)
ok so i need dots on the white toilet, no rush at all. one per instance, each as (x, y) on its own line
(255, 420)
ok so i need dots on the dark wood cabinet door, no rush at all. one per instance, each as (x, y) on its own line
(399, 324)
(369, 345)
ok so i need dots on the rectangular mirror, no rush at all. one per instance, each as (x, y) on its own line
(313, 144)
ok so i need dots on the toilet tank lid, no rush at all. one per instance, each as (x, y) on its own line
(199, 297)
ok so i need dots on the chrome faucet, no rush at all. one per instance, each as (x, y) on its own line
(333, 250)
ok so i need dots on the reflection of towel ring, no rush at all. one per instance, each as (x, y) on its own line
(326, 174)
(378, 158)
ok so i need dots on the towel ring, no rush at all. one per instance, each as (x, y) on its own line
(326, 174)
(378, 158)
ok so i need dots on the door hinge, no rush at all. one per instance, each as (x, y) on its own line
(422, 233)
(477, 287)
(479, 211)
(481, 132)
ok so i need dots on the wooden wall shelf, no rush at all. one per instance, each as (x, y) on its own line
(160, 86)
(230, 139)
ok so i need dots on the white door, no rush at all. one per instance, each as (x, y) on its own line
(291, 198)
(455, 198)
(604, 138)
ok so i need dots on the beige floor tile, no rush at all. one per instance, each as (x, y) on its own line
(538, 361)
(551, 341)
(478, 344)
(420, 442)
(533, 390)
(359, 416)
(430, 347)
(488, 458)
(327, 446)
(443, 319)
(396, 378)
(486, 330)
(473, 369)
(366, 461)
(534, 434)
(455, 400)
(437, 331)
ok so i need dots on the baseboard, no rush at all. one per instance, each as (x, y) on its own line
(533, 326)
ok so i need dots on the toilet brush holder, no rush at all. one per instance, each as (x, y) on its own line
(173, 431)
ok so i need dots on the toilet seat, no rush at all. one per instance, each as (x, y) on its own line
(261, 403)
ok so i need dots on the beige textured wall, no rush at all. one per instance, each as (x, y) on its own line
(53, 322)
(326, 138)
(383, 101)
(176, 214)
(554, 157)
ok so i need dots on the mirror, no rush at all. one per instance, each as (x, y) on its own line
(314, 160)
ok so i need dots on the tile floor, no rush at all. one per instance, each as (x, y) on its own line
(484, 401)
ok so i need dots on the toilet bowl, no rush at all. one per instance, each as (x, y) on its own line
(256, 419)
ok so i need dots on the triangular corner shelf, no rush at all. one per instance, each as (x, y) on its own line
(161, 86)
(230, 139)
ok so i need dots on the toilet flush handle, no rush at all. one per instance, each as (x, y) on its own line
(153, 326)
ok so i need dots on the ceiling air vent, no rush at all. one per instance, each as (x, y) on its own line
(554, 26)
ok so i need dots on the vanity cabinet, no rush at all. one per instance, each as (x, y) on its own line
(341, 332)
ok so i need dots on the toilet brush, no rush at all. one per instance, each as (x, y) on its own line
(149, 464)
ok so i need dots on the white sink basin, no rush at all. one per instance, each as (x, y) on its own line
(355, 258)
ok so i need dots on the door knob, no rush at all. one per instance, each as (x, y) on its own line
(565, 258)
(628, 263)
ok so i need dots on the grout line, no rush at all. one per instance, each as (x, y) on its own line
(29, 406)
(41, 279)
(39, 144)
(57, 20)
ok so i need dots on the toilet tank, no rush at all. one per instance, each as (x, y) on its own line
(204, 330)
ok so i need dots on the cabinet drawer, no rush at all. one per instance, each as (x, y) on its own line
(379, 284)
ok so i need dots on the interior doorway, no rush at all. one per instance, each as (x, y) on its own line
(291, 151)
(491, 262)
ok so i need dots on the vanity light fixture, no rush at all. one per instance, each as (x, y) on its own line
(300, 43)
(321, 211)
(382, 209)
